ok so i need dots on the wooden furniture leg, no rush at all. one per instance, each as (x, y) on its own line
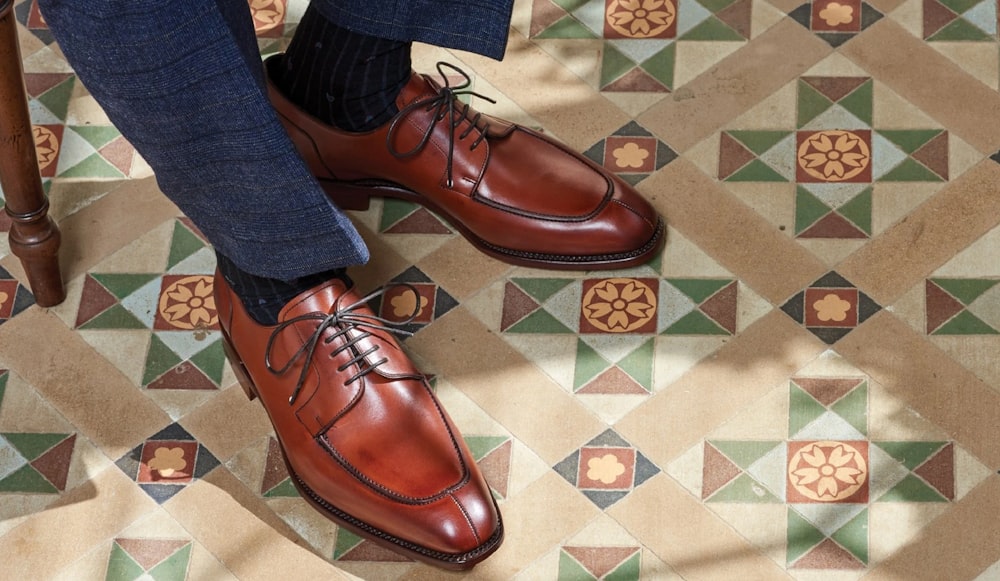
(34, 237)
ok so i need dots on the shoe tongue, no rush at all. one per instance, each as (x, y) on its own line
(418, 86)
(319, 299)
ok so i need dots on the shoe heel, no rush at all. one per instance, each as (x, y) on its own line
(239, 370)
(346, 196)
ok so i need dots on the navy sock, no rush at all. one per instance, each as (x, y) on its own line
(265, 297)
(346, 79)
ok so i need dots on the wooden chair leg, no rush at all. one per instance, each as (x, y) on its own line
(34, 237)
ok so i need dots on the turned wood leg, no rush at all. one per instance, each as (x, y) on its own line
(34, 237)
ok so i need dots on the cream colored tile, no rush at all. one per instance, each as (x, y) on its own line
(696, 57)
(229, 422)
(979, 59)
(775, 202)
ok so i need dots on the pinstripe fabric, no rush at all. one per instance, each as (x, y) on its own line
(345, 78)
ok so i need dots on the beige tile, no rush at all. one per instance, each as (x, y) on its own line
(80, 384)
(49, 541)
(461, 269)
(961, 213)
(501, 381)
(738, 375)
(931, 383)
(744, 243)
(964, 105)
(247, 546)
(735, 85)
(947, 547)
(228, 423)
(693, 541)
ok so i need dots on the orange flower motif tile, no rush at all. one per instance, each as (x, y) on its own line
(834, 156)
(836, 15)
(167, 462)
(831, 307)
(268, 17)
(632, 152)
(14, 297)
(606, 469)
(640, 19)
(619, 305)
(399, 302)
(186, 303)
(828, 471)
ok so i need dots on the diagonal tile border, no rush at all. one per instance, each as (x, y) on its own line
(734, 86)
(965, 106)
(934, 385)
(741, 240)
(953, 219)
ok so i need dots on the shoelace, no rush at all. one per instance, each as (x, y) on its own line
(345, 320)
(444, 106)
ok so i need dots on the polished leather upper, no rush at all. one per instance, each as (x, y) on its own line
(364, 432)
(511, 188)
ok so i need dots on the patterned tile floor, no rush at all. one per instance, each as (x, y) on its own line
(805, 385)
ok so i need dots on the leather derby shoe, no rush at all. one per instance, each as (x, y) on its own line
(365, 440)
(514, 193)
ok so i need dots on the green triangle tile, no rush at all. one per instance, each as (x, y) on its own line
(159, 360)
(699, 289)
(854, 536)
(802, 536)
(211, 361)
(57, 98)
(3, 386)
(566, 27)
(859, 210)
(183, 243)
(346, 540)
(744, 490)
(759, 142)
(861, 102)
(27, 479)
(803, 409)
(910, 454)
(93, 166)
(960, 6)
(570, 5)
(695, 323)
(912, 489)
(713, 29)
(614, 64)
(756, 171)
(540, 321)
(122, 567)
(174, 567)
(393, 211)
(284, 490)
(961, 30)
(117, 317)
(480, 446)
(571, 570)
(629, 570)
(965, 323)
(911, 170)
(808, 209)
(661, 65)
(853, 407)
(811, 103)
(96, 135)
(743, 453)
(910, 140)
(541, 289)
(589, 364)
(31, 446)
(965, 290)
(123, 284)
(639, 364)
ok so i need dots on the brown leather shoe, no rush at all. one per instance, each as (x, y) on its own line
(365, 440)
(516, 194)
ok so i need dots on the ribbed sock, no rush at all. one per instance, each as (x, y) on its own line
(346, 79)
(265, 297)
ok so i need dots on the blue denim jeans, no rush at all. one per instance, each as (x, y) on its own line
(183, 82)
